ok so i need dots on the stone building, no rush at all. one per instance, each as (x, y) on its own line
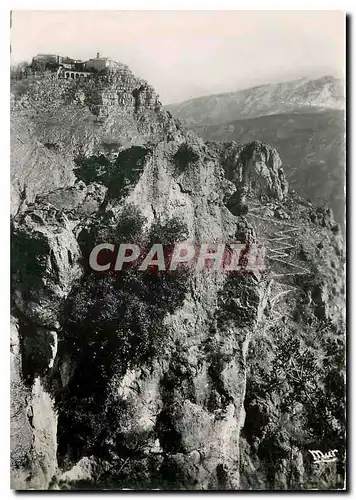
(44, 61)
(100, 63)
(54, 61)
(69, 63)
(69, 68)
(69, 74)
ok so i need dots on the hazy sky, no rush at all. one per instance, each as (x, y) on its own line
(186, 54)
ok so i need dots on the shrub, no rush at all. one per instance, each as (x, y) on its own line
(185, 157)
(113, 322)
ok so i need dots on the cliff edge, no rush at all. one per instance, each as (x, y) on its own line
(191, 378)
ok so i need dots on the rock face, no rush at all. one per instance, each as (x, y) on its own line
(303, 119)
(55, 121)
(33, 416)
(145, 380)
(311, 146)
(255, 168)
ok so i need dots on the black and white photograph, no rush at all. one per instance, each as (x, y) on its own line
(178, 250)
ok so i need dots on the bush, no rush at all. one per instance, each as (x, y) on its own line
(113, 322)
(185, 157)
(295, 392)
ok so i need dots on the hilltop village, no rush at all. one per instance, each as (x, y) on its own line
(68, 68)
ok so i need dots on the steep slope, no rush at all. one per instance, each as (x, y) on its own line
(295, 376)
(55, 121)
(311, 146)
(302, 95)
(144, 379)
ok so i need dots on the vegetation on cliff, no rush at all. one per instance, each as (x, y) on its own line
(179, 380)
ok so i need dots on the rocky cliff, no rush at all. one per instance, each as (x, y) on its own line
(311, 146)
(54, 121)
(190, 379)
(303, 119)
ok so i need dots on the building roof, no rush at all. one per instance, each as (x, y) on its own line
(98, 59)
(44, 55)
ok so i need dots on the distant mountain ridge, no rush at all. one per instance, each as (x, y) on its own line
(304, 119)
(301, 95)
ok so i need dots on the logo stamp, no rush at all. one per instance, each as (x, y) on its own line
(323, 458)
